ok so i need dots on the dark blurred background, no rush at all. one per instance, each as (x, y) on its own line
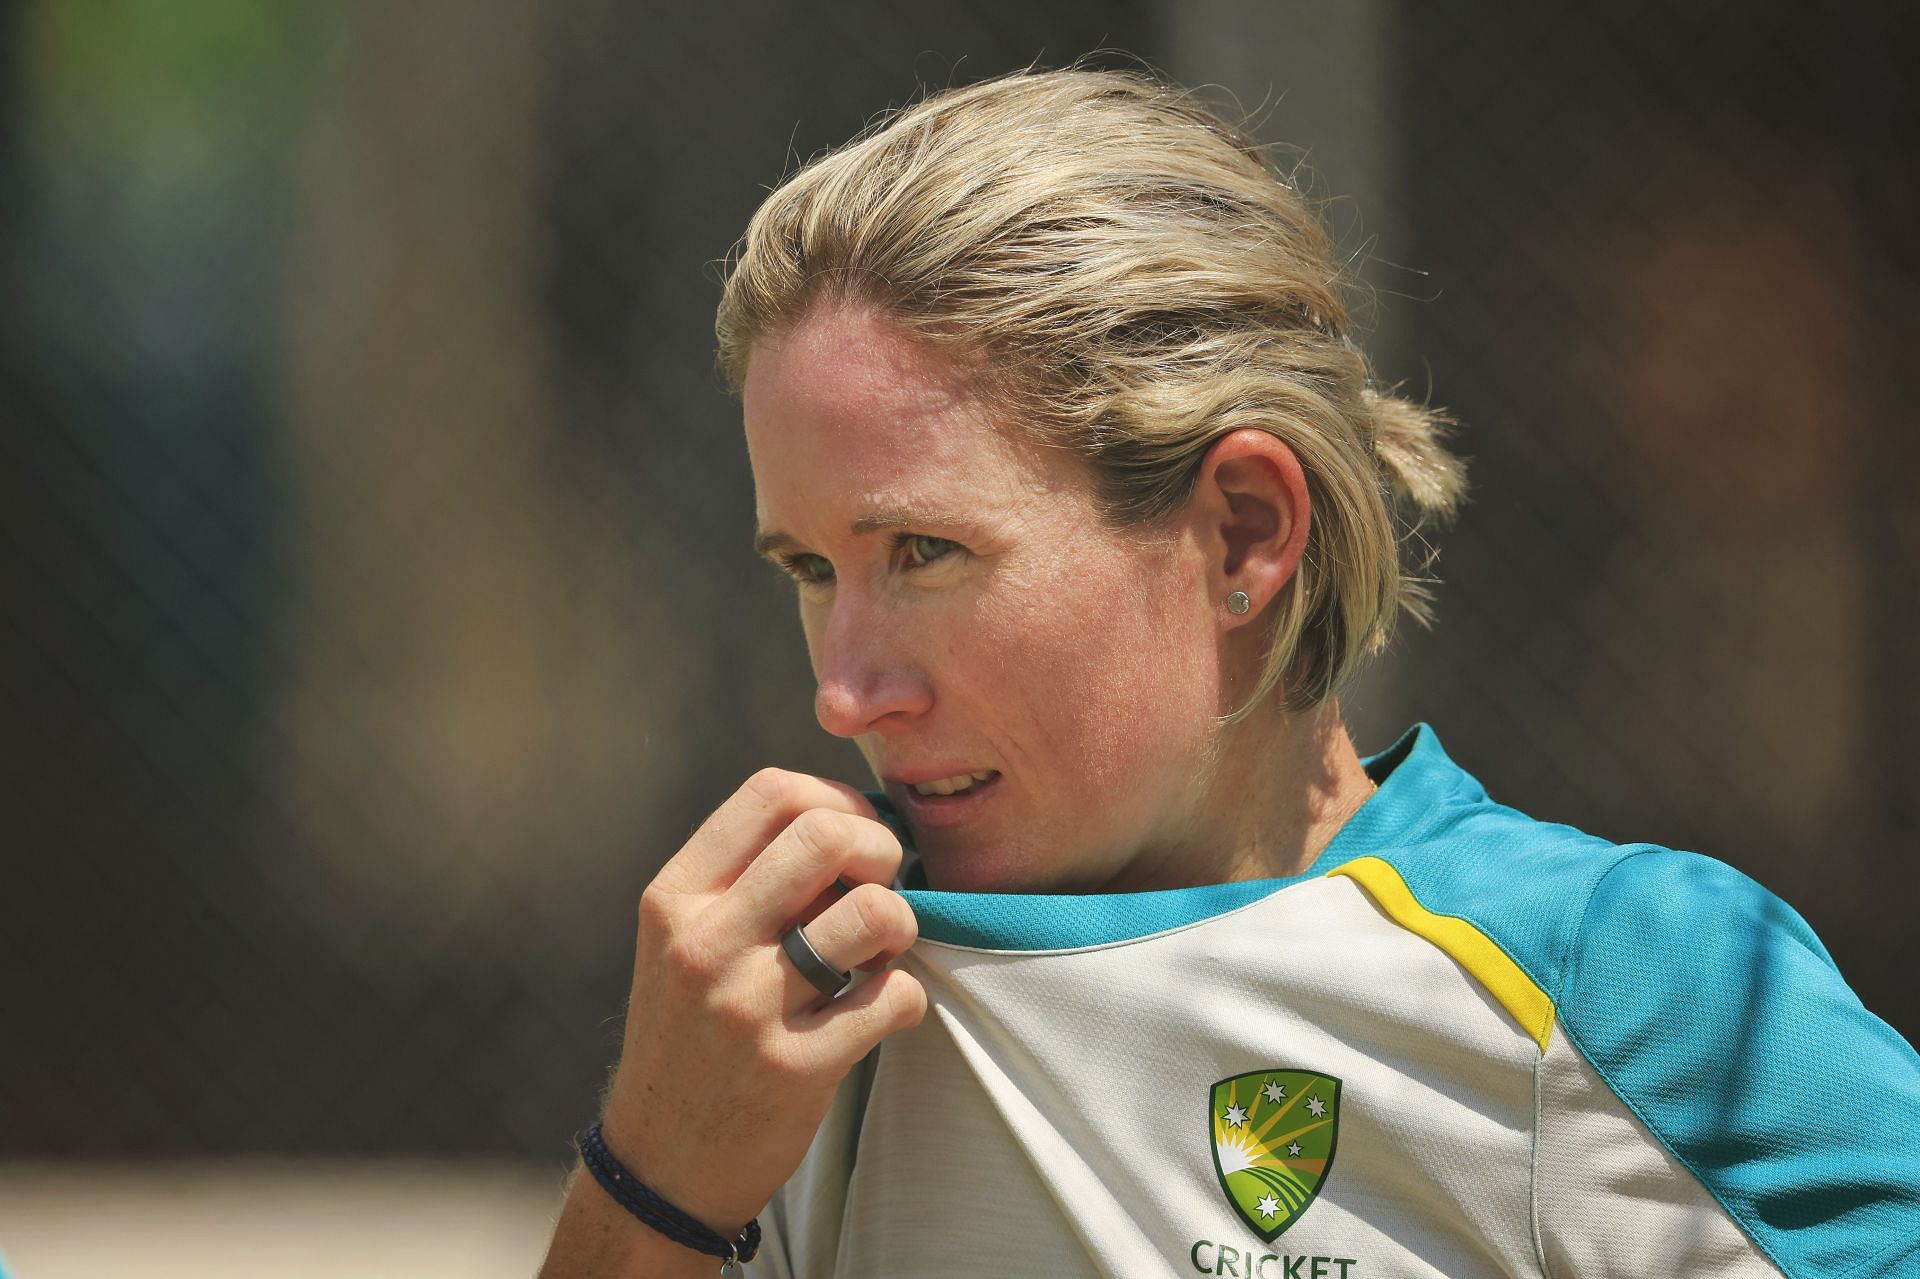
(376, 604)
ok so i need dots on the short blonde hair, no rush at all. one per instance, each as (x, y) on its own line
(1139, 281)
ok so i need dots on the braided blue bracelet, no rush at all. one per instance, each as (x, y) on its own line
(632, 1194)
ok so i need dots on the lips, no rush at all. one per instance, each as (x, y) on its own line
(935, 771)
(955, 785)
(937, 810)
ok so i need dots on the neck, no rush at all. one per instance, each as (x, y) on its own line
(1281, 787)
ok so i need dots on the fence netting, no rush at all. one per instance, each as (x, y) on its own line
(377, 610)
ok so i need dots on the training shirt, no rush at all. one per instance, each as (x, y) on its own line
(1463, 1043)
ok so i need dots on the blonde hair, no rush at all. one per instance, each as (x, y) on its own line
(1135, 280)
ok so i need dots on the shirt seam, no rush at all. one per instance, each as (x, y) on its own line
(1533, 1172)
(1574, 1037)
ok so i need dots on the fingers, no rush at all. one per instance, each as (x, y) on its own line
(729, 840)
(842, 1031)
(817, 848)
(869, 927)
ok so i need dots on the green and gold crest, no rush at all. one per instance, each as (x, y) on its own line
(1273, 1140)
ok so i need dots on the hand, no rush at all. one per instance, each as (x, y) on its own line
(731, 1057)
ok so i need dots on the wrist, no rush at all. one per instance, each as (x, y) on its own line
(723, 1215)
(597, 1237)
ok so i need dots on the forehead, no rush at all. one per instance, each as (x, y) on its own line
(847, 406)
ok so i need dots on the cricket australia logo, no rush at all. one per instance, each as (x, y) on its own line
(1273, 1140)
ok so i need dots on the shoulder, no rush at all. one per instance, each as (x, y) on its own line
(1711, 1010)
(1594, 923)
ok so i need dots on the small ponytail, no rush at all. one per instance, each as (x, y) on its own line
(1424, 484)
(1427, 482)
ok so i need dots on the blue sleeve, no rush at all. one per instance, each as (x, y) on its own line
(1716, 1015)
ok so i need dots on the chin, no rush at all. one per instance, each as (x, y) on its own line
(944, 876)
(1005, 870)
(955, 871)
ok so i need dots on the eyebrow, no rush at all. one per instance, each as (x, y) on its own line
(770, 542)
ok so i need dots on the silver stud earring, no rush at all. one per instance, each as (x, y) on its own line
(1238, 602)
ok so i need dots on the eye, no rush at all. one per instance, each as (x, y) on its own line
(921, 550)
(807, 568)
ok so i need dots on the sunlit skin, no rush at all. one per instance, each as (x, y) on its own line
(966, 609)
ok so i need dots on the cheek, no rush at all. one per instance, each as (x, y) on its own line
(1107, 676)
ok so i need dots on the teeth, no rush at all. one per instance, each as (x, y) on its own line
(952, 785)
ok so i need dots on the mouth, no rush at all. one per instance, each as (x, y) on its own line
(945, 801)
(959, 784)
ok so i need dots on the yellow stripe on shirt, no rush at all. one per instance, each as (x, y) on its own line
(1466, 945)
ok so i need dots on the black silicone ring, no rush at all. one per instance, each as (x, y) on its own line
(826, 979)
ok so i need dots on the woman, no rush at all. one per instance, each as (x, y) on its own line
(1092, 510)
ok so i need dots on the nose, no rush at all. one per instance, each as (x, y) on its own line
(868, 680)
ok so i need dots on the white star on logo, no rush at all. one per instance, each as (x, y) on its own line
(1293, 1148)
(1268, 1206)
(1316, 1107)
(1235, 1116)
(1275, 1092)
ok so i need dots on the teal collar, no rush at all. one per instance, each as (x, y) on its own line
(1415, 778)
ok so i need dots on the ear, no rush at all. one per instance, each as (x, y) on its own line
(1250, 513)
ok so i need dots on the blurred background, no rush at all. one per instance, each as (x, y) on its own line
(377, 610)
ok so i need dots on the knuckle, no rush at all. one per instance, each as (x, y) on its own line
(655, 909)
(887, 845)
(881, 914)
(870, 914)
(903, 1002)
(774, 787)
(821, 833)
(906, 925)
(829, 822)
